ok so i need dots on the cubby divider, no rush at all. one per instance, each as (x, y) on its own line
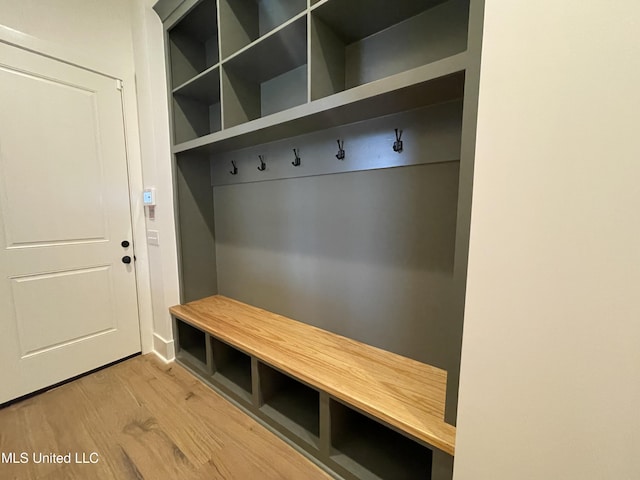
(292, 405)
(365, 449)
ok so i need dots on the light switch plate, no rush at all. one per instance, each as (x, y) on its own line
(153, 237)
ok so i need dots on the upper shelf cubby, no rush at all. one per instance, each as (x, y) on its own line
(268, 77)
(196, 106)
(244, 21)
(193, 43)
(247, 71)
(360, 41)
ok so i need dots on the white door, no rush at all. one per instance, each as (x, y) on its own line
(67, 301)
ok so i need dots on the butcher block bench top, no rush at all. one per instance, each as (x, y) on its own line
(402, 392)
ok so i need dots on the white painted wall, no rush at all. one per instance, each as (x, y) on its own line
(156, 158)
(95, 34)
(99, 29)
(550, 380)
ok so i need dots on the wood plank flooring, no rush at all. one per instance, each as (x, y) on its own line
(146, 421)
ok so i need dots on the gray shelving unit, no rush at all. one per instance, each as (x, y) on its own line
(372, 246)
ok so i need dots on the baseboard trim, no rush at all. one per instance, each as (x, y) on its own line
(163, 348)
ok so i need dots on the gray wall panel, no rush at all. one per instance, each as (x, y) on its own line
(430, 135)
(284, 91)
(368, 255)
(195, 227)
(272, 14)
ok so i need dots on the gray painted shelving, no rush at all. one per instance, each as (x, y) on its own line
(372, 246)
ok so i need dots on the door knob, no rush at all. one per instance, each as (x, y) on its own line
(125, 243)
(126, 259)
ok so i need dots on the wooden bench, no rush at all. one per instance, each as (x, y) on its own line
(402, 393)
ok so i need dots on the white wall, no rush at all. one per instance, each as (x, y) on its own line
(99, 29)
(95, 34)
(550, 380)
(156, 158)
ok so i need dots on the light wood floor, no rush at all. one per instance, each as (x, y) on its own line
(146, 420)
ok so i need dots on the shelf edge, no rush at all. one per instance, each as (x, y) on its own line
(195, 78)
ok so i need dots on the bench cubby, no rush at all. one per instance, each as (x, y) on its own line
(364, 448)
(290, 404)
(231, 369)
(192, 345)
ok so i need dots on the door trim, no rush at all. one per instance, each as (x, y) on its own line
(69, 55)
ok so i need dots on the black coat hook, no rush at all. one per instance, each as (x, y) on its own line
(235, 169)
(296, 162)
(397, 145)
(263, 166)
(340, 155)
